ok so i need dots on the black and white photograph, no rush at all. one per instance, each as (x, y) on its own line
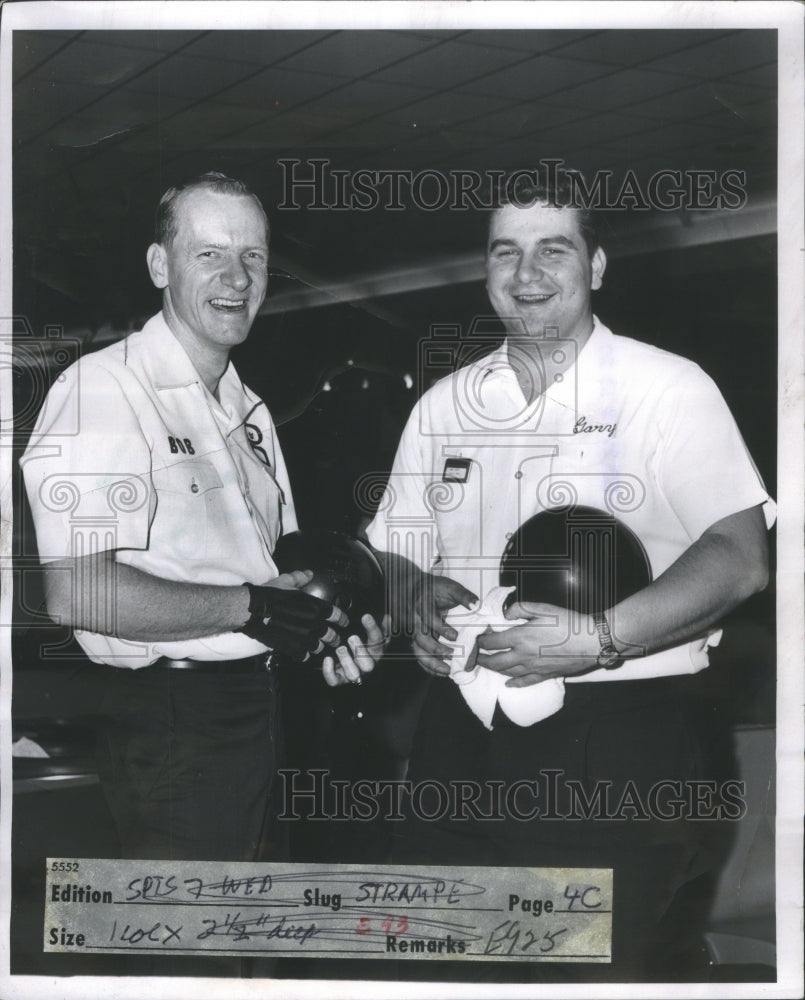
(401, 478)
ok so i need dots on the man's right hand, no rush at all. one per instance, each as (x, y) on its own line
(284, 618)
(433, 597)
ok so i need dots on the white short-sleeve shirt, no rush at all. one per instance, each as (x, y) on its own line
(131, 453)
(628, 428)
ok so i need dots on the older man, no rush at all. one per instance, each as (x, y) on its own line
(567, 413)
(159, 491)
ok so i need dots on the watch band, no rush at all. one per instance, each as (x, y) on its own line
(608, 657)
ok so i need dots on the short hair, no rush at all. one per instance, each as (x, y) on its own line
(557, 188)
(165, 227)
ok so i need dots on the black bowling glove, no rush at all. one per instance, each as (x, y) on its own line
(288, 621)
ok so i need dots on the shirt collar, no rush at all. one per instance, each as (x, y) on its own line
(496, 365)
(170, 367)
(235, 397)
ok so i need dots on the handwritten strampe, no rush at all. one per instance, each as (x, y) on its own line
(186, 907)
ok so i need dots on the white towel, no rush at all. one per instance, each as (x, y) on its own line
(482, 688)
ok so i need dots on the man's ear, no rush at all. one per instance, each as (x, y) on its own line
(157, 265)
(599, 265)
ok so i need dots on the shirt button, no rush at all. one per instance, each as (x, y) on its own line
(518, 475)
(194, 488)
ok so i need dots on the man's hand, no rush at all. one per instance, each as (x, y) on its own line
(433, 597)
(284, 618)
(727, 564)
(294, 580)
(357, 657)
(552, 643)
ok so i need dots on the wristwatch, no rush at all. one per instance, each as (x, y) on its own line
(609, 657)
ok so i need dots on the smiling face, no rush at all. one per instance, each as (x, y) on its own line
(214, 271)
(539, 273)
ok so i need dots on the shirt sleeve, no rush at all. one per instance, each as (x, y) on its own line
(706, 470)
(87, 469)
(404, 522)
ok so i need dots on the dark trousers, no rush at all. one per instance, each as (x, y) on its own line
(188, 761)
(620, 738)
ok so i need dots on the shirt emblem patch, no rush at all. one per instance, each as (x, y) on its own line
(456, 470)
(183, 445)
(255, 438)
(582, 427)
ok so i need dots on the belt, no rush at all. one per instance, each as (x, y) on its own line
(248, 665)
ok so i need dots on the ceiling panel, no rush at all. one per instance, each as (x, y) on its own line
(279, 132)
(579, 134)
(427, 34)
(31, 48)
(358, 53)
(451, 64)
(619, 89)
(279, 89)
(39, 96)
(162, 42)
(363, 99)
(737, 98)
(99, 64)
(519, 40)
(124, 106)
(682, 105)
(674, 138)
(154, 178)
(602, 127)
(109, 119)
(518, 153)
(665, 154)
(86, 134)
(522, 118)
(40, 170)
(537, 77)
(761, 76)
(738, 90)
(103, 124)
(145, 140)
(188, 76)
(447, 108)
(630, 48)
(208, 121)
(758, 120)
(735, 51)
(373, 134)
(759, 167)
(36, 123)
(438, 148)
(261, 48)
(90, 180)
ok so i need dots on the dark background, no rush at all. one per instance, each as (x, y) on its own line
(104, 121)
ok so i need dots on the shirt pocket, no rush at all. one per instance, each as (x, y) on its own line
(187, 494)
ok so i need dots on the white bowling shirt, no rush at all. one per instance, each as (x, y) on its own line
(132, 453)
(628, 428)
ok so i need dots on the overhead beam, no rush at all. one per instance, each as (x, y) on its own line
(670, 231)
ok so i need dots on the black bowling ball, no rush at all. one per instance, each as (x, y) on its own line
(345, 572)
(574, 557)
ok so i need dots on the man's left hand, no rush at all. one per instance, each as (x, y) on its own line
(358, 656)
(552, 643)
